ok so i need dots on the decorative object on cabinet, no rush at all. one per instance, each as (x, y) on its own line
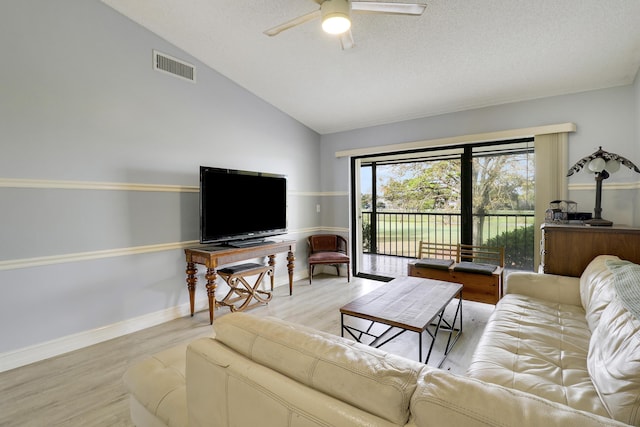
(602, 164)
(565, 212)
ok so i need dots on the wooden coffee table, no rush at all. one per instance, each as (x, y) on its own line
(407, 304)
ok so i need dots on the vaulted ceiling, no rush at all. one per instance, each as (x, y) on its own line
(460, 54)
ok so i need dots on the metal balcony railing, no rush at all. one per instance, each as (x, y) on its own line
(399, 233)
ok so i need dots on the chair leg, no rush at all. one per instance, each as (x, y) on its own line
(310, 272)
(338, 269)
(348, 273)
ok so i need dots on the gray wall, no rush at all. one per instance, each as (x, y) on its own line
(607, 117)
(80, 102)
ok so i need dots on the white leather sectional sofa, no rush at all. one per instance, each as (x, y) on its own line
(557, 351)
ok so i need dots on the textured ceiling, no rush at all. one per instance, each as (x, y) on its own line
(459, 54)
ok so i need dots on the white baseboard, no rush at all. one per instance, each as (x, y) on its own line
(46, 350)
(35, 353)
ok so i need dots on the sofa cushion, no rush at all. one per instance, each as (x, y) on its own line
(364, 377)
(226, 388)
(596, 290)
(614, 352)
(446, 400)
(539, 347)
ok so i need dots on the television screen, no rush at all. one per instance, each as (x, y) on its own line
(239, 205)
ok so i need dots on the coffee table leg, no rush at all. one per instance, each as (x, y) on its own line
(433, 335)
(456, 318)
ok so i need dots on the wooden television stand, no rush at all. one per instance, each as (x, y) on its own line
(214, 256)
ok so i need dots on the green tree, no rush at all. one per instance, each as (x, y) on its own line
(500, 182)
(424, 186)
(365, 201)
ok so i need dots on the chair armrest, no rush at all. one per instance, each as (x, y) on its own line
(550, 287)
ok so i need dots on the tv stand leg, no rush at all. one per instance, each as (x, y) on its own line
(211, 277)
(290, 258)
(272, 264)
(191, 284)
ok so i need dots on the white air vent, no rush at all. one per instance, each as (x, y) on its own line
(175, 67)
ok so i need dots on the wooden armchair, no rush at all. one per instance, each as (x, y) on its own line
(328, 249)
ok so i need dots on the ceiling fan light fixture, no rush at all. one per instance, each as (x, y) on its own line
(336, 24)
(336, 16)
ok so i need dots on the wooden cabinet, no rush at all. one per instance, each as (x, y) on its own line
(568, 249)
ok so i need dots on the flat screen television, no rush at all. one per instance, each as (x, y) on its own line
(237, 205)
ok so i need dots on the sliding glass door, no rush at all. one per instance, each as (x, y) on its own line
(479, 194)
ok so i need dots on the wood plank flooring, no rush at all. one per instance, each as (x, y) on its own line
(85, 388)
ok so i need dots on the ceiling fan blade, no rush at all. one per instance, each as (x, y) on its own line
(294, 22)
(394, 8)
(346, 40)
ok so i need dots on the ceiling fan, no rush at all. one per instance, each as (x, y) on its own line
(336, 16)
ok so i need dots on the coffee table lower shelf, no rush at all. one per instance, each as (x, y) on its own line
(406, 304)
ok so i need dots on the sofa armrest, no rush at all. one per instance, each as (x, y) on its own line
(446, 400)
(157, 389)
(549, 287)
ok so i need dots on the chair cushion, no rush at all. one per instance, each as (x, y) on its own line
(240, 267)
(439, 264)
(327, 258)
(474, 267)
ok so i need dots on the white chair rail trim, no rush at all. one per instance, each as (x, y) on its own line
(607, 185)
(94, 185)
(13, 264)
(124, 186)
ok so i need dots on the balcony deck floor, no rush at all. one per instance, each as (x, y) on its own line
(383, 265)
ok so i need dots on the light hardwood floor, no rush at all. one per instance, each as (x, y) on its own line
(85, 388)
